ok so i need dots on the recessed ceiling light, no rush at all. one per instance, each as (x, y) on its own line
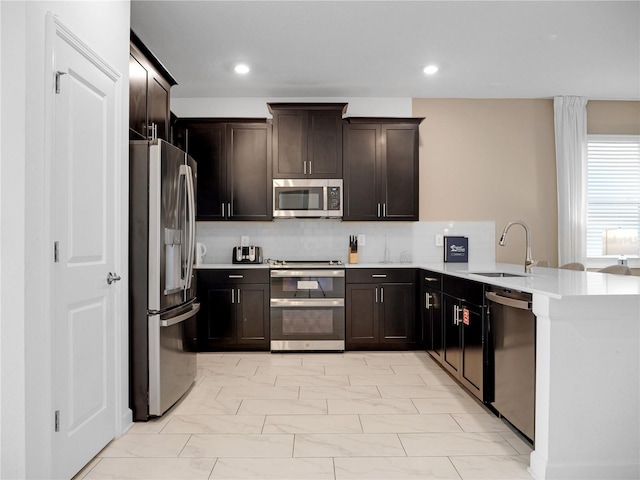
(242, 69)
(430, 69)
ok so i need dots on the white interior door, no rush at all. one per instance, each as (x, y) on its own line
(83, 225)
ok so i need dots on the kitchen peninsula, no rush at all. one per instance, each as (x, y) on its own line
(587, 369)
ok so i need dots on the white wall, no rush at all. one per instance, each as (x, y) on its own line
(12, 238)
(256, 107)
(26, 407)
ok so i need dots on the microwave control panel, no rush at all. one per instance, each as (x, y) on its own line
(333, 200)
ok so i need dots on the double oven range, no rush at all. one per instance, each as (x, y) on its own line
(307, 305)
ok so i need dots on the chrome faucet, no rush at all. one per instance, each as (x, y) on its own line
(529, 262)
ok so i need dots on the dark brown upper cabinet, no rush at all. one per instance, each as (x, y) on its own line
(381, 168)
(234, 166)
(149, 94)
(307, 139)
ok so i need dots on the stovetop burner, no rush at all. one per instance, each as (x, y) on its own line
(304, 263)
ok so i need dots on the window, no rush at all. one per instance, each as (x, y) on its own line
(613, 186)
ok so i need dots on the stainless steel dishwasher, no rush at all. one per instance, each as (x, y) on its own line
(513, 332)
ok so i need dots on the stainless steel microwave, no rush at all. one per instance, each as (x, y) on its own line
(293, 198)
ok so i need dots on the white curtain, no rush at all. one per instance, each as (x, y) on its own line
(570, 119)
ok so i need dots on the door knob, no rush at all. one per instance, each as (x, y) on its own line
(112, 277)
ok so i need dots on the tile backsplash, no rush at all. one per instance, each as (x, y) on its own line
(323, 239)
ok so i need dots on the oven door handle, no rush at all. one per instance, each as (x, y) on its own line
(307, 302)
(319, 273)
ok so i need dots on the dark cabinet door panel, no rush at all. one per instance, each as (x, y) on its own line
(159, 108)
(362, 314)
(220, 314)
(472, 349)
(361, 172)
(400, 169)
(432, 311)
(452, 352)
(290, 144)
(252, 318)
(398, 318)
(138, 78)
(436, 323)
(249, 171)
(205, 143)
(325, 145)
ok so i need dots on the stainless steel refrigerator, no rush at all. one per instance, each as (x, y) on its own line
(162, 302)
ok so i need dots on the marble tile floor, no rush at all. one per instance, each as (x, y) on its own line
(339, 416)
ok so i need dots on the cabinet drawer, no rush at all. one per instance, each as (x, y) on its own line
(431, 279)
(380, 275)
(258, 275)
(467, 290)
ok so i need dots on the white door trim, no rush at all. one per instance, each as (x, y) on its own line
(122, 421)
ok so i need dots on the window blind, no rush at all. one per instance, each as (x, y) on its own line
(613, 187)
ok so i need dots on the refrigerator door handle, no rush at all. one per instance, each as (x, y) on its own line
(188, 174)
(195, 308)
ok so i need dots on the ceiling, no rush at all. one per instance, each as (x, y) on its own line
(497, 49)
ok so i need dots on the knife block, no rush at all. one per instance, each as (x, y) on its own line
(353, 257)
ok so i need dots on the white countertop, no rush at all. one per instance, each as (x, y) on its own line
(229, 266)
(551, 282)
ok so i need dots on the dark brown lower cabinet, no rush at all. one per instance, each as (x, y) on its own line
(234, 312)
(380, 309)
(431, 306)
(464, 329)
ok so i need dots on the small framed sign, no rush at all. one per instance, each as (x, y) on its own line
(456, 249)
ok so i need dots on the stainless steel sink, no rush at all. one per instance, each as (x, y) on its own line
(498, 274)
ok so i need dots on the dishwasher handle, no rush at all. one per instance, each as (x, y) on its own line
(509, 302)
